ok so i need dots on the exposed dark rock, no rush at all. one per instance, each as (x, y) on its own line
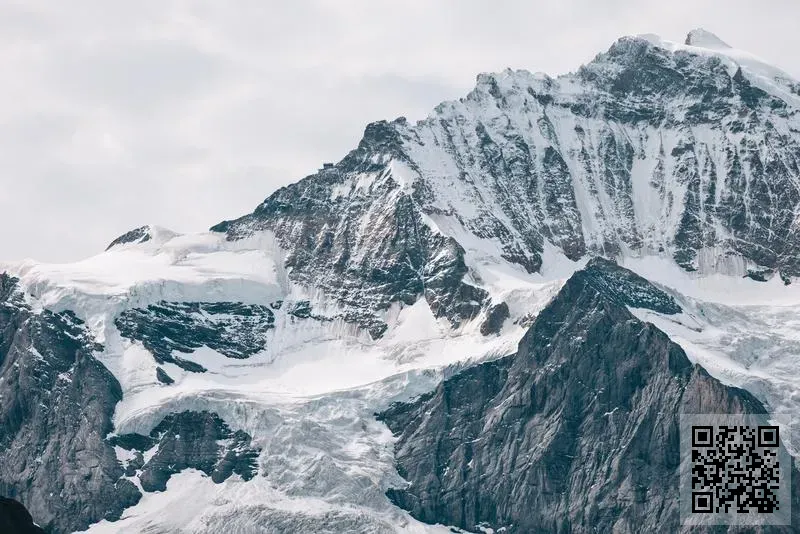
(133, 442)
(495, 317)
(301, 309)
(137, 235)
(396, 257)
(56, 409)
(199, 440)
(233, 329)
(163, 377)
(15, 519)
(576, 433)
(759, 275)
(560, 207)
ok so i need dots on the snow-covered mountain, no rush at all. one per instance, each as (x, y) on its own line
(181, 383)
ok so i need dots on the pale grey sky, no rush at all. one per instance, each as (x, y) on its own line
(186, 112)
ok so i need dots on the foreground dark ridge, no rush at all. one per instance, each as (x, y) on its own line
(576, 433)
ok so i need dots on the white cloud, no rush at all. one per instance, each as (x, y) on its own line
(185, 112)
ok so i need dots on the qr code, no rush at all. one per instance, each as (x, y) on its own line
(733, 471)
(735, 468)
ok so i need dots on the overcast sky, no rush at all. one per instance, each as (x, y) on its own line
(184, 113)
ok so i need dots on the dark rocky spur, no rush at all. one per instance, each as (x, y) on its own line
(578, 432)
(197, 440)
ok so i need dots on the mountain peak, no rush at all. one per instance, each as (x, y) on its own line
(705, 39)
(137, 235)
(143, 234)
(591, 402)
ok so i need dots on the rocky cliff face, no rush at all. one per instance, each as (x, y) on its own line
(56, 406)
(234, 329)
(57, 450)
(356, 232)
(577, 432)
(652, 148)
(197, 440)
(137, 235)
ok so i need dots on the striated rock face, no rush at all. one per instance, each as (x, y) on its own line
(577, 432)
(627, 288)
(651, 148)
(357, 232)
(56, 405)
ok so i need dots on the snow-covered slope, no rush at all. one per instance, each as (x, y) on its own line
(307, 397)
(429, 247)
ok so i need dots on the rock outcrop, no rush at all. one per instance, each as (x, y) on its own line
(137, 235)
(233, 329)
(197, 440)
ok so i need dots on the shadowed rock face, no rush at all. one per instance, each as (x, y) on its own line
(198, 440)
(495, 317)
(163, 377)
(15, 519)
(577, 432)
(56, 409)
(627, 288)
(369, 247)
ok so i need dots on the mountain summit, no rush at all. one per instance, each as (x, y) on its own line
(651, 149)
(705, 39)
